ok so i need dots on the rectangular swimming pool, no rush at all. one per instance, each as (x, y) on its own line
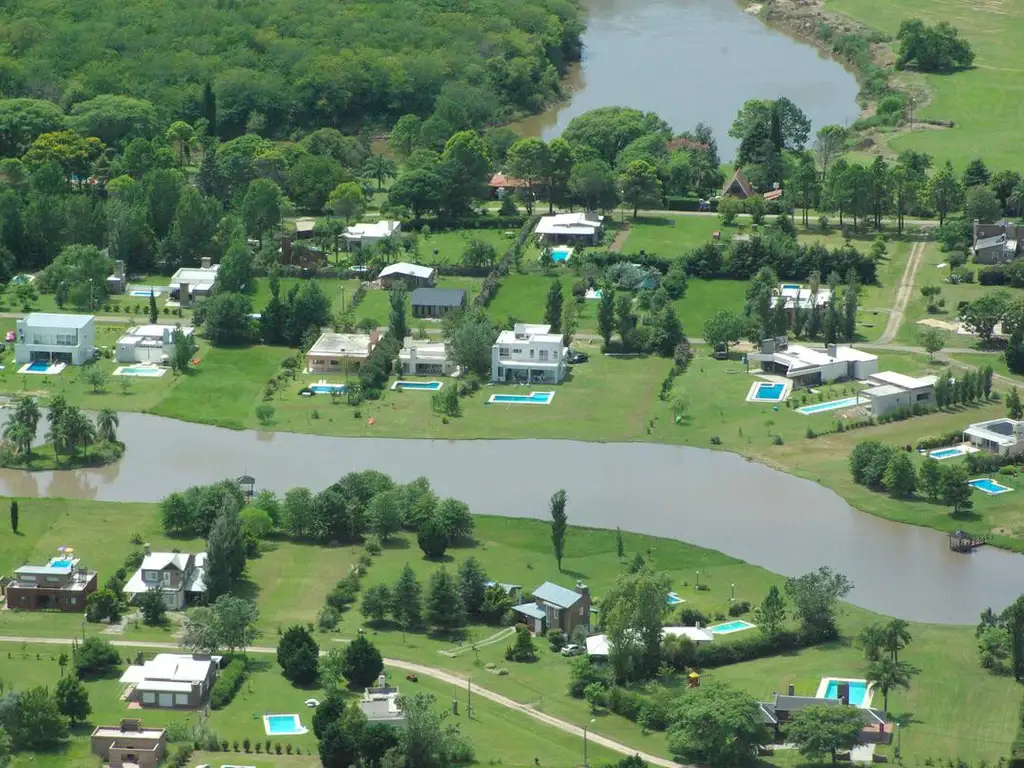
(832, 405)
(534, 398)
(947, 453)
(145, 294)
(327, 389)
(791, 286)
(989, 486)
(283, 725)
(729, 627)
(766, 392)
(858, 696)
(146, 371)
(430, 386)
(561, 254)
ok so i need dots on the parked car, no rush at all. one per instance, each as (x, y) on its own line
(572, 650)
(721, 351)
(578, 357)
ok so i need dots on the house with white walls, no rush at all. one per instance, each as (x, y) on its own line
(148, 343)
(529, 354)
(52, 338)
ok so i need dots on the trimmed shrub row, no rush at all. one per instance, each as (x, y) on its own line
(228, 683)
(464, 222)
(687, 655)
(492, 282)
(939, 441)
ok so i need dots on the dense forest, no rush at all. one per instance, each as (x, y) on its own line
(282, 66)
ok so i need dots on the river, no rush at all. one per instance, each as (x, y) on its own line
(695, 61)
(713, 499)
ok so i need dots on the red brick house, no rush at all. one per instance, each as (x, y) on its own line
(556, 607)
(62, 584)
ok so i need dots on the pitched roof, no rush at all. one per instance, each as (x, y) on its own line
(532, 610)
(157, 561)
(405, 268)
(740, 180)
(438, 297)
(500, 180)
(556, 595)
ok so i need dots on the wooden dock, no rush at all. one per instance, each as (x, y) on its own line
(959, 541)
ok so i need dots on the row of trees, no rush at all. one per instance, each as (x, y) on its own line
(885, 467)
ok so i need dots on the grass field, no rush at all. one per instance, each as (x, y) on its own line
(955, 708)
(975, 100)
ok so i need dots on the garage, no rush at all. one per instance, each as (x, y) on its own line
(166, 700)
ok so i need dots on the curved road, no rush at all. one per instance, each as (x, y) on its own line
(438, 674)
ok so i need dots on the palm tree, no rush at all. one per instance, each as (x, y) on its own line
(19, 437)
(27, 412)
(380, 168)
(59, 435)
(107, 423)
(80, 430)
(872, 640)
(890, 675)
(897, 637)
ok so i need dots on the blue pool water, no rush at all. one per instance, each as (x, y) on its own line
(989, 486)
(561, 254)
(769, 392)
(39, 366)
(732, 626)
(431, 386)
(791, 286)
(674, 599)
(846, 402)
(534, 398)
(283, 724)
(60, 563)
(947, 453)
(327, 389)
(144, 294)
(858, 691)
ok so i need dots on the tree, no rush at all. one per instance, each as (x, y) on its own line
(406, 596)
(666, 331)
(464, 167)
(523, 650)
(310, 181)
(633, 613)
(929, 479)
(261, 208)
(336, 747)
(771, 614)
(471, 335)
(716, 725)
(72, 699)
(225, 553)
(900, 478)
(620, 547)
(932, 339)
(608, 130)
(724, 327)
(183, 349)
(103, 604)
(982, 205)
(226, 320)
(432, 537)
(362, 663)
(814, 597)
(235, 619)
(298, 655)
(152, 607)
(445, 610)
(822, 730)
(829, 143)
(472, 585)
(380, 168)
(640, 185)
(872, 640)
(398, 325)
(35, 722)
(559, 524)
(184, 136)
(426, 743)
(418, 190)
(1013, 619)
(592, 185)
(606, 314)
(377, 601)
(938, 48)
(896, 634)
(95, 657)
(385, 513)
(14, 517)
(945, 192)
(954, 489)
(888, 675)
(1014, 409)
(529, 160)
(981, 315)
(347, 201)
(553, 309)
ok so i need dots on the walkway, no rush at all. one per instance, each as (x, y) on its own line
(438, 674)
(903, 294)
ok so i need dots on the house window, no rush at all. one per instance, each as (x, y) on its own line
(72, 601)
(581, 610)
(152, 576)
(531, 354)
(517, 351)
(181, 699)
(503, 353)
(149, 698)
(543, 354)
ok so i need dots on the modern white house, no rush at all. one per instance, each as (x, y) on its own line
(797, 296)
(411, 275)
(171, 680)
(367, 234)
(808, 367)
(529, 354)
(54, 338)
(193, 282)
(148, 343)
(332, 350)
(179, 576)
(572, 228)
(380, 704)
(598, 645)
(420, 357)
(889, 390)
(1004, 437)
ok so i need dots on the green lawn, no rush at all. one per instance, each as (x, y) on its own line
(671, 236)
(704, 298)
(975, 100)
(376, 304)
(452, 244)
(339, 291)
(524, 297)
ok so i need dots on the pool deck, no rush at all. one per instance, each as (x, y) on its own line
(963, 449)
(300, 729)
(52, 370)
(787, 388)
(1002, 488)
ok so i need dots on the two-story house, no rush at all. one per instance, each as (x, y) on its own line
(62, 584)
(177, 575)
(556, 607)
(529, 354)
(171, 680)
(996, 243)
(47, 337)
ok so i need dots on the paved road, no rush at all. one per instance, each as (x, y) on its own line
(438, 674)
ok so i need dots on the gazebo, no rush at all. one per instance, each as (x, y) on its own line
(248, 485)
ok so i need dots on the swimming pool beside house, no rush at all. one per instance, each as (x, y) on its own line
(949, 453)
(145, 293)
(534, 398)
(832, 405)
(767, 392)
(859, 690)
(145, 371)
(731, 626)
(323, 388)
(989, 486)
(283, 725)
(42, 367)
(430, 386)
(561, 254)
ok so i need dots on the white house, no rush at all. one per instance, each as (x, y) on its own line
(380, 704)
(366, 234)
(797, 297)
(1004, 437)
(178, 576)
(598, 645)
(332, 350)
(412, 275)
(193, 282)
(889, 390)
(419, 357)
(55, 338)
(808, 367)
(148, 343)
(529, 354)
(171, 680)
(573, 228)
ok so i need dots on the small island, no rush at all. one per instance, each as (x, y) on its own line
(73, 440)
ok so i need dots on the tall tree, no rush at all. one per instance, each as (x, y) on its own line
(945, 192)
(529, 159)
(14, 517)
(362, 664)
(407, 597)
(559, 524)
(633, 613)
(472, 585)
(553, 309)
(889, 675)
(606, 314)
(829, 143)
(771, 614)
(444, 608)
(716, 725)
(822, 730)
(398, 326)
(225, 553)
(640, 185)
(72, 699)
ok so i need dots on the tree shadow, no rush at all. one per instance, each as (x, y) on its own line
(575, 574)
(445, 558)
(248, 589)
(396, 542)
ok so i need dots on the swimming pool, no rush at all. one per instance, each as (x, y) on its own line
(561, 254)
(947, 453)
(859, 695)
(846, 402)
(38, 367)
(989, 486)
(791, 286)
(732, 626)
(61, 563)
(145, 294)
(327, 389)
(534, 398)
(42, 367)
(674, 599)
(767, 392)
(430, 386)
(283, 725)
(150, 371)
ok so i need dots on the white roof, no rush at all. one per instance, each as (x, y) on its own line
(797, 356)
(170, 667)
(405, 268)
(305, 224)
(163, 686)
(795, 295)
(382, 228)
(569, 224)
(153, 331)
(157, 561)
(902, 381)
(344, 344)
(195, 276)
(884, 390)
(56, 320)
(597, 645)
(524, 333)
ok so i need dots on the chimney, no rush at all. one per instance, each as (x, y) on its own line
(792, 690)
(831, 348)
(147, 549)
(119, 269)
(382, 681)
(205, 262)
(583, 589)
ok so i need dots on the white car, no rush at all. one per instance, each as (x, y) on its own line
(572, 650)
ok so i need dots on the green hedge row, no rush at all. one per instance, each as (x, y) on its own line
(228, 683)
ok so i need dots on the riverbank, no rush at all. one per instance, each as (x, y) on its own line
(45, 458)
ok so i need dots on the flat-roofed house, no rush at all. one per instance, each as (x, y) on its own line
(332, 351)
(381, 704)
(55, 338)
(529, 354)
(889, 391)
(148, 343)
(63, 584)
(193, 282)
(809, 367)
(420, 357)
(171, 680)
(1004, 437)
(129, 744)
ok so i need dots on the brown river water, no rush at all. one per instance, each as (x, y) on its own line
(713, 499)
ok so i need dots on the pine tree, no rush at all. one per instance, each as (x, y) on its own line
(771, 614)
(14, 512)
(362, 664)
(1014, 410)
(606, 314)
(444, 607)
(406, 597)
(153, 313)
(553, 311)
(559, 525)
(225, 553)
(472, 585)
(620, 547)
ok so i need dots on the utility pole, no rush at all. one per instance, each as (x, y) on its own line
(469, 698)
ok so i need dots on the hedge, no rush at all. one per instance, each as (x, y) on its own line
(228, 683)
(939, 441)
(493, 280)
(1017, 749)
(683, 656)
(465, 222)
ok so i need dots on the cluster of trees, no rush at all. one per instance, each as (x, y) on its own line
(882, 644)
(70, 430)
(937, 48)
(1001, 640)
(885, 467)
(657, 330)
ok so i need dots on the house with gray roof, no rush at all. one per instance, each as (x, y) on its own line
(780, 710)
(437, 302)
(556, 607)
(996, 243)
(179, 577)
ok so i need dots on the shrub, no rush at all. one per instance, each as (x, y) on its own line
(758, 646)
(556, 638)
(327, 619)
(716, 440)
(228, 683)
(691, 617)
(777, 440)
(95, 657)
(738, 609)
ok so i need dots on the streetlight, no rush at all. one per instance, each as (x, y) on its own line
(732, 595)
(697, 586)
(592, 720)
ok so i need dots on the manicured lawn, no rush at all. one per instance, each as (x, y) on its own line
(376, 304)
(524, 297)
(706, 297)
(671, 236)
(452, 244)
(986, 125)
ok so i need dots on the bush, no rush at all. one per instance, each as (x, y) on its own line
(556, 638)
(939, 441)
(691, 617)
(228, 683)
(738, 609)
(758, 646)
(95, 657)
(327, 619)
